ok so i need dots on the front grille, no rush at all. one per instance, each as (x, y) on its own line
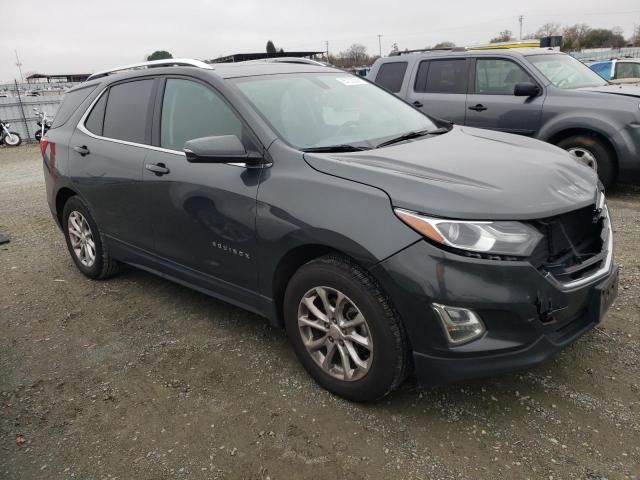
(574, 244)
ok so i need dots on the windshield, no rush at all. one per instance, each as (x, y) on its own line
(565, 71)
(324, 109)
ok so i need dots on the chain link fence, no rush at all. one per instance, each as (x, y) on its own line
(17, 101)
(595, 54)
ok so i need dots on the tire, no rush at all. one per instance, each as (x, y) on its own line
(12, 140)
(387, 361)
(102, 265)
(38, 135)
(607, 169)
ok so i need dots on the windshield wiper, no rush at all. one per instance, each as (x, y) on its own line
(410, 135)
(335, 148)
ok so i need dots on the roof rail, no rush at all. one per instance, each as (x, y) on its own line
(307, 61)
(169, 62)
(447, 49)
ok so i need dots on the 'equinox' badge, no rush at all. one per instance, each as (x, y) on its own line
(231, 250)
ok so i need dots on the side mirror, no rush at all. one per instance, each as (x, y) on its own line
(219, 149)
(526, 90)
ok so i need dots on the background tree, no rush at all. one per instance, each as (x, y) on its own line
(444, 45)
(635, 38)
(573, 37)
(394, 49)
(159, 55)
(356, 54)
(602, 37)
(503, 36)
(547, 30)
(271, 48)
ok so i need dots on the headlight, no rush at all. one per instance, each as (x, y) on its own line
(501, 238)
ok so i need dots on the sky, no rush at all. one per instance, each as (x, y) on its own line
(83, 36)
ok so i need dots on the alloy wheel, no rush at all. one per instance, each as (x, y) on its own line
(335, 333)
(81, 238)
(585, 156)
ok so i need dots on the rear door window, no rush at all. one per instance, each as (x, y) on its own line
(391, 75)
(495, 76)
(70, 103)
(126, 113)
(447, 76)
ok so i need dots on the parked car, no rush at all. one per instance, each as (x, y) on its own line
(381, 239)
(618, 71)
(537, 92)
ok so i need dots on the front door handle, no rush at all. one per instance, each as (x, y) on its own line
(478, 108)
(418, 104)
(83, 150)
(157, 168)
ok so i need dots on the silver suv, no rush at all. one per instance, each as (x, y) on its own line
(536, 92)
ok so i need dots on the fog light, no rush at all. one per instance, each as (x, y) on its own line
(460, 324)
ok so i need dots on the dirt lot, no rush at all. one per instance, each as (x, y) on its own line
(137, 377)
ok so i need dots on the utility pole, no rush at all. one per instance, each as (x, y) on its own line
(380, 44)
(326, 43)
(19, 65)
(520, 18)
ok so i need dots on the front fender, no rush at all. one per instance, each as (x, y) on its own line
(300, 206)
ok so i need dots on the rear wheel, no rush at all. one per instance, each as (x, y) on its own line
(344, 330)
(594, 153)
(85, 242)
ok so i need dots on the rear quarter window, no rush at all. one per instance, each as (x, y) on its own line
(70, 103)
(390, 75)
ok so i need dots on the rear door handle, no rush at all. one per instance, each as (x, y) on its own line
(478, 108)
(418, 104)
(157, 168)
(83, 150)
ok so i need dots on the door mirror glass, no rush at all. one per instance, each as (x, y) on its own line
(217, 149)
(526, 90)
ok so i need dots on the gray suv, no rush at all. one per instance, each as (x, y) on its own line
(539, 93)
(380, 238)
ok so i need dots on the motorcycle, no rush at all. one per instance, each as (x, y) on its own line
(44, 124)
(7, 137)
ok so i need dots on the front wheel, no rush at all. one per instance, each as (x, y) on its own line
(593, 153)
(344, 330)
(13, 139)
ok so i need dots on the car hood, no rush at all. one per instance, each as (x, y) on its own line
(615, 89)
(470, 173)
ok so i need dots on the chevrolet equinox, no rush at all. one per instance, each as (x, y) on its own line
(383, 240)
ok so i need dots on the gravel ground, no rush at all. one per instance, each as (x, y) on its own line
(137, 377)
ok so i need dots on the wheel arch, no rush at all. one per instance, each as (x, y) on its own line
(63, 195)
(291, 261)
(560, 135)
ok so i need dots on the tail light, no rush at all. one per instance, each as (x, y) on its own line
(44, 142)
